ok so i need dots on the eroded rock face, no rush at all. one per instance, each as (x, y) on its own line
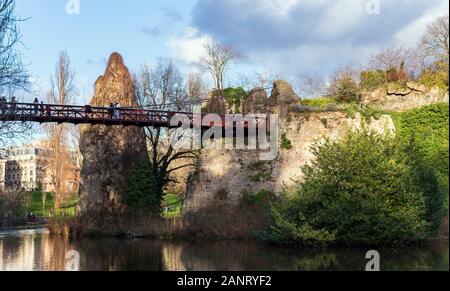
(282, 99)
(237, 173)
(411, 97)
(216, 104)
(282, 94)
(255, 102)
(109, 152)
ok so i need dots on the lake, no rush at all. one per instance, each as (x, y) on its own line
(38, 250)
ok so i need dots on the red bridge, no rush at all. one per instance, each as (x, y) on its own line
(48, 113)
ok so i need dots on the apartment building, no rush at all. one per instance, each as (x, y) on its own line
(29, 168)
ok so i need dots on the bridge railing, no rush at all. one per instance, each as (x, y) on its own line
(73, 113)
(10, 111)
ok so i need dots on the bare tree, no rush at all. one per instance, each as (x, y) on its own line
(13, 74)
(163, 88)
(390, 58)
(218, 58)
(312, 86)
(63, 92)
(263, 80)
(196, 89)
(434, 44)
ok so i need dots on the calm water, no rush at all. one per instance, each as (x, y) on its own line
(37, 250)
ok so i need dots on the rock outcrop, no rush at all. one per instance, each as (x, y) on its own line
(228, 175)
(215, 104)
(109, 152)
(282, 98)
(236, 173)
(401, 99)
(256, 102)
(282, 94)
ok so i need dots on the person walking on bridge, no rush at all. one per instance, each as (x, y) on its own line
(13, 105)
(48, 111)
(42, 108)
(111, 110)
(36, 106)
(2, 104)
(117, 110)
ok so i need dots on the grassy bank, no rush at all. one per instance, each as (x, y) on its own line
(42, 204)
(172, 205)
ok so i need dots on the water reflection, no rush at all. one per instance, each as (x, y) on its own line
(37, 250)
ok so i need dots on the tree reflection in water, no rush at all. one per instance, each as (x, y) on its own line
(37, 250)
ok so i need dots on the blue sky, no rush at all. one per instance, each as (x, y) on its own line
(291, 37)
(137, 31)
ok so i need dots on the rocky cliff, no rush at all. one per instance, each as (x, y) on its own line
(411, 96)
(109, 153)
(225, 176)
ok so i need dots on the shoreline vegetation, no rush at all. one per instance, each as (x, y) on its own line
(166, 227)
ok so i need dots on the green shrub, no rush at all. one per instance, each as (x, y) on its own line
(299, 232)
(234, 97)
(371, 111)
(351, 110)
(427, 129)
(399, 76)
(142, 191)
(345, 90)
(371, 80)
(362, 189)
(435, 76)
(319, 102)
(428, 182)
(285, 142)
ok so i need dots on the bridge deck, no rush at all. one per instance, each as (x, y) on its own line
(50, 113)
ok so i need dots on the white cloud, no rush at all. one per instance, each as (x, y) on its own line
(339, 18)
(310, 36)
(412, 33)
(189, 46)
(281, 7)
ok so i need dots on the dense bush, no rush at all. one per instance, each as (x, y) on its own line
(363, 189)
(234, 97)
(345, 90)
(428, 129)
(142, 191)
(371, 80)
(435, 76)
(394, 75)
(427, 179)
(374, 79)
